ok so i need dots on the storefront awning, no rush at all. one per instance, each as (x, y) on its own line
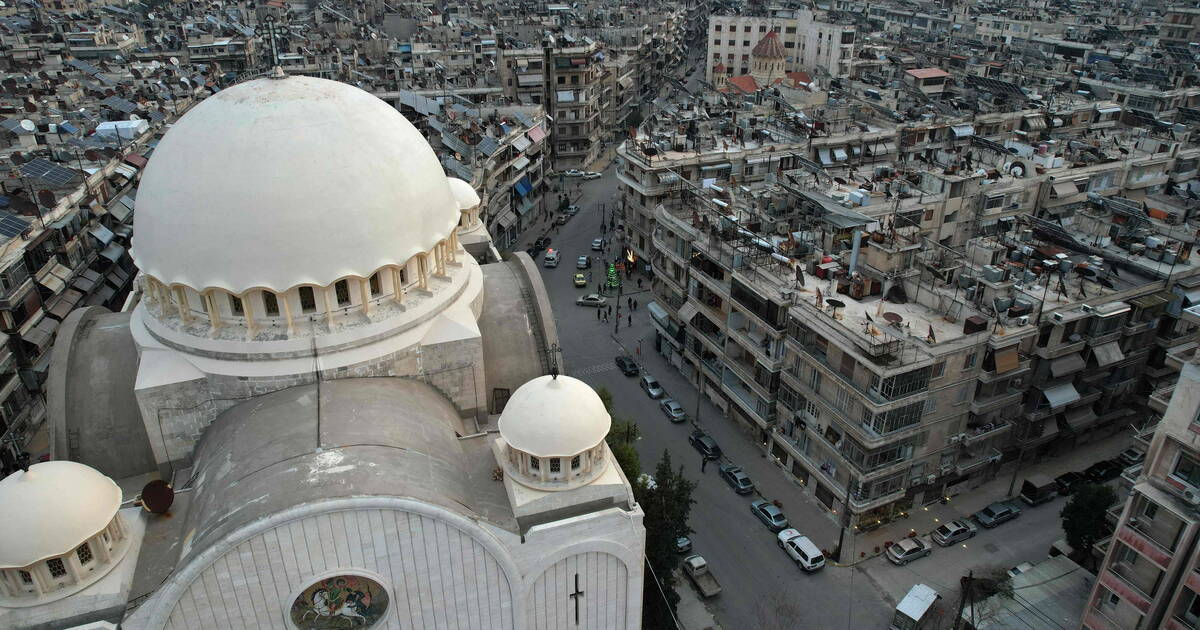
(506, 219)
(1108, 353)
(1035, 123)
(667, 178)
(839, 154)
(823, 154)
(1080, 418)
(687, 312)
(1068, 364)
(658, 313)
(1007, 359)
(1061, 395)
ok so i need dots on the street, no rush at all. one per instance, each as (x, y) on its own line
(755, 574)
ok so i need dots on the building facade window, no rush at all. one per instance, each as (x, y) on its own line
(270, 304)
(1187, 470)
(575, 463)
(376, 288)
(535, 463)
(341, 289)
(555, 464)
(235, 305)
(26, 577)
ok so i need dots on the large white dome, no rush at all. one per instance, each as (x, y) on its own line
(52, 509)
(279, 182)
(549, 417)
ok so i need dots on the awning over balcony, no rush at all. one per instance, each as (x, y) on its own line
(962, 131)
(1079, 419)
(824, 156)
(1065, 189)
(1154, 299)
(1068, 364)
(1007, 359)
(1061, 395)
(687, 312)
(1107, 353)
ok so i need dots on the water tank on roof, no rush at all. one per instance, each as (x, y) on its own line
(1002, 304)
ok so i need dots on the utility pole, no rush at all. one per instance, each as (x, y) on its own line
(966, 584)
(845, 520)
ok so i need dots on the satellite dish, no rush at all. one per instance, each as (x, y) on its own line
(173, 61)
(46, 198)
(134, 117)
(157, 497)
(28, 125)
(17, 158)
(91, 155)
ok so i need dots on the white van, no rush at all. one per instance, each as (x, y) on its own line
(801, 549)
(551, 259)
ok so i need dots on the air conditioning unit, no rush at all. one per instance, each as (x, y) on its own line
(1023, 320)
(955, 439)
(1192, 495)
(1058, 317)
(930, 478)
(945, 470)
(1087, 308)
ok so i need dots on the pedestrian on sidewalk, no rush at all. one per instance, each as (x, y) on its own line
(597, 314)
(629, 320)
(639, 283)
(703, 462)
(635, 305)
(629, 303)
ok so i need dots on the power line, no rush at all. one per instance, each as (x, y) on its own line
(663, 593)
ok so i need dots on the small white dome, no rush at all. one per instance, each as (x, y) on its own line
(52, 509)
(279, 182)
(462, 191)
(549, 417)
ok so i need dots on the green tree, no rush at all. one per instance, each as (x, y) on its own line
(667, 504)
(606, 398)
(1083, 516)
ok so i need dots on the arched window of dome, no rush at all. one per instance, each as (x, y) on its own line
(235, 305)
(26, 577)
(376, 284)
(270, 304)
(56, 567)
(308, 300)
(575, 463)
(341, 289)
(555, 464)
(534, 463)
(84, 552)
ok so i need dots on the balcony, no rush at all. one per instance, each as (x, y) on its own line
(1098, 340)
(863, 504)
(1161, 398)
(755, 407)
(1023, 365)
(980, 406)
(971, 462)
(1141, 582)
(1133, 328)
(986, 432)
(1053, 352)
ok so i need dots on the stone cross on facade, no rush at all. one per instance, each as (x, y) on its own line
(575, 598)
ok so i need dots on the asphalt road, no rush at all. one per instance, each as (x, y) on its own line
(757, 577)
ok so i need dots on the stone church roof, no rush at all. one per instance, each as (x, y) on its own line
(769, 47)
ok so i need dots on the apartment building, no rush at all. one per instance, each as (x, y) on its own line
(810, 42)
(1150, 574)
(567, 80)
(1180, 25)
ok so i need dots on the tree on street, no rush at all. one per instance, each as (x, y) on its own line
(621, 439)
(667, 504)
(1083, 517)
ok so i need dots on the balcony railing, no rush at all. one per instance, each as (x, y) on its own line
(1053, 352)
(979, 434)
(980, 406)
(1024, 363)
(1130, 578)
(1133, 328)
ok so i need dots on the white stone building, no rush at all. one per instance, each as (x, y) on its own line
(354, 433)
(809, 42)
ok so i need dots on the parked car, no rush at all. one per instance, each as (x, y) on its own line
(1019, 569)
(572, 172)
(542, 242)
(1068, 481)
(1038, 489)
(907, 550)
(683, 544)
(696, 569)
(738, 480)
(800, 549)
(1102, 471)
(579, 280)
(706, 445)
(997, 513)
(572, 210)
(591, 175)
(770, 515)
(583, 262)
(673, 410)
(650, 385)
(1132, 456)
(551, 259)
(597, 244)
(627, 365)
(562, 219)
(953, 532)
(592, 299)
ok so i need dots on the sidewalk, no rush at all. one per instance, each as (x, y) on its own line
(924, 519)
(691, 612)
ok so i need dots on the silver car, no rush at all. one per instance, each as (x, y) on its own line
(592, 299)
(907, 550)
(650, 385)
(673, 410)
(770, 515)
(953, 532)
